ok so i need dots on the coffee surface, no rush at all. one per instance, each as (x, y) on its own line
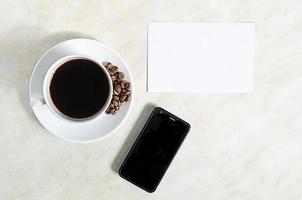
(79, 88)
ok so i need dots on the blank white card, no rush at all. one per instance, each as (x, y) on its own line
(200, 57)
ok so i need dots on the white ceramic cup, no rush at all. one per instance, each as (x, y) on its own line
(46, 93)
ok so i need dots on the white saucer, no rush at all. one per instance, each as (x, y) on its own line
(86, 131)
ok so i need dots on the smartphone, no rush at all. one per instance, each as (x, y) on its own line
(154, 149)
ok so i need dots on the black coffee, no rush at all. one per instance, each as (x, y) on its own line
(79, 88)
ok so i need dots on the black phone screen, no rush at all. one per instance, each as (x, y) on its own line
(154, 149)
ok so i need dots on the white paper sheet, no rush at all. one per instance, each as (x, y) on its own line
(200, 57)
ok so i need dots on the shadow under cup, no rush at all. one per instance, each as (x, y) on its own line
(77, 88)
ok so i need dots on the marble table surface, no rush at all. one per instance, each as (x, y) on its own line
(241, 146)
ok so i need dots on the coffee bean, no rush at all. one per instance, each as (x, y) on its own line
(128, 92)
(121, 75)
(123, 97)
(113, 78)
(117, 89)
(108, 110)
(114, 69)
(109, 66)
(112, 111)
(115, 97)
(127, 85)
(122, 83)
(128, 98)
(114, 102)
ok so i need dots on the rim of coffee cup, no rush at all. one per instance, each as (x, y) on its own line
(47, 80)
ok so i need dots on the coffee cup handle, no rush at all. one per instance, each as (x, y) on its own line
(37, 102)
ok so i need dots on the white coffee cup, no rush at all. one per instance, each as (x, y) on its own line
(46, 100)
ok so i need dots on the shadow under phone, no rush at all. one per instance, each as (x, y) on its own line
(139, 124)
